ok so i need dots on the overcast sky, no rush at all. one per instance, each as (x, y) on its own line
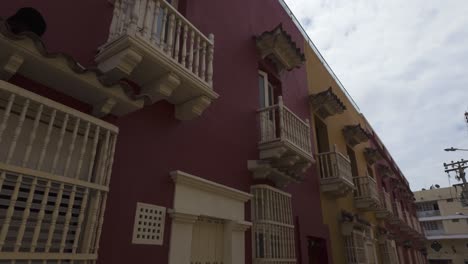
(405, 63)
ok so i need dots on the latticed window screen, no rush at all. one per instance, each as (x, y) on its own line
(273, 228)
(388, 252)
(355, 251)
(55, 166)
(207, 241)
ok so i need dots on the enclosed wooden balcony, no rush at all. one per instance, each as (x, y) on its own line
(285, 148)
(397, 217)
(386, 209)
(365, 193)
(153, 45)
(336, 178)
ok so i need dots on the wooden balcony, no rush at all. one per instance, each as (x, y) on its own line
(336, 178)
(386, 209)
(285, 148)
(397, 217)
(365, 193)
(153, 45)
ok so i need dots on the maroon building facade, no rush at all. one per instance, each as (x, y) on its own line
(153, 144)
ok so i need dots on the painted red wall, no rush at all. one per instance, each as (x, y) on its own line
(215, 146)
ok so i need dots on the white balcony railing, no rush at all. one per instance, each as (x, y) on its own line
(55, 168)
(422, 214)
(365, 188)
(279, 124)
(164, 28)
(334, 165)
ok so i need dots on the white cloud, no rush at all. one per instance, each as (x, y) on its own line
(405, 64)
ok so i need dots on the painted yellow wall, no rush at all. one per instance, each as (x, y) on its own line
(320, 80)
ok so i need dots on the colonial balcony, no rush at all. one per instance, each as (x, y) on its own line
(285, 148)
(386, 209)
(336, 178)
(397, 218)
(153, 45)
(365, 193)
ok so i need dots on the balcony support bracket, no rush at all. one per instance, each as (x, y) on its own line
(162, 88)
(119, 66)
(11, 66)
(104, 108)
(192, 108)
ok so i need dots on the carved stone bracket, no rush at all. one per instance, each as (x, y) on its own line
(193, 108)
(264, 170)
(384, 170)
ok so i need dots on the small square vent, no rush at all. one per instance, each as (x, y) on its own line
(148, 227)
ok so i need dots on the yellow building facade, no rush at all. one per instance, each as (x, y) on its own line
(356, 199)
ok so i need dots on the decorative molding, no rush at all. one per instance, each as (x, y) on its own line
(240, 226)
(27, 54)
(11, 66)
(182, 218)
(180, 177)
(355, 134)
(326, 104)
(192, 108)
(372, 155)
(278, 46)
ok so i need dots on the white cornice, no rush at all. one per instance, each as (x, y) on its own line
(445, 217)
(180, 177)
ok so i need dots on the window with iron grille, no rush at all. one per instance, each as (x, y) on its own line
(355, 252)
(273, 228)
(430, 225)
(55, 166)
(427, 206)
(388, 252)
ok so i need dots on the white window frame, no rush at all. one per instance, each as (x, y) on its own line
(197, 198)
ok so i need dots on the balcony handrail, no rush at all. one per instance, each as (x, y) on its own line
(366, 186)
(339, 166)
(160, 24)
(278, 123)
(430, 213)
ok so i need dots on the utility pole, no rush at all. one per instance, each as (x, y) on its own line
(459, 168)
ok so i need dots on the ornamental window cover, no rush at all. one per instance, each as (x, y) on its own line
(273, 228)
(55, 167)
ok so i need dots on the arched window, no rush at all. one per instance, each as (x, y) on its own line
(27, 19)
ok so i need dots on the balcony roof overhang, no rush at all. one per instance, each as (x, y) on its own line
(372, 155)
(27, 55)
(326, 103)
(355, 134)
(278, 46)
(385, 171)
